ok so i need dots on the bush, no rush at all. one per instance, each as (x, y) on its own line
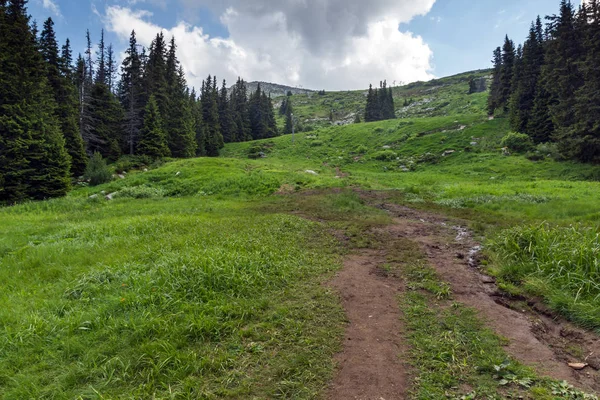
(517, 142)
(385, 155)
(260, 150)
(97, 171)
(428, 158)
(550, 150)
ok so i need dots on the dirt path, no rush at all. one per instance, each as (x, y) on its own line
(535, 337)
(370, 366)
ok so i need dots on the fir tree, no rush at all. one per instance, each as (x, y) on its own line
(506, 73)
(131, 95)
(155, 74)
(33, 160)
(65, 96)
(153, 140)
(240, 110)
(213, 139)
(228, 128)
(495, 89)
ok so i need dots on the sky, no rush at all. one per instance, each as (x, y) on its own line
(314, 44)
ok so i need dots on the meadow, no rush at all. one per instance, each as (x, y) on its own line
(202, 278)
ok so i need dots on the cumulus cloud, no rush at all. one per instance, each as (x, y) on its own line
(331, 44)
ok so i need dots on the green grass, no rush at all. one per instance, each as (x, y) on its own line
(202, 278)
(169, 298)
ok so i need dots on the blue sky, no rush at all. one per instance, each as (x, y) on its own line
(334, 48)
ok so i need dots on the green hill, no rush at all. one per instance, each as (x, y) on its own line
(202, 278)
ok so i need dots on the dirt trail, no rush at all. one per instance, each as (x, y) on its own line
(370, 366)
(535, 337)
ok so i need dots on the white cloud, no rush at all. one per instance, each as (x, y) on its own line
(51, 6)
(344, 44)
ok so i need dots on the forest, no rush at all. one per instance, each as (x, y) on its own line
(57, 110)
(549, 86)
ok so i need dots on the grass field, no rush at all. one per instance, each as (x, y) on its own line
(202, 278)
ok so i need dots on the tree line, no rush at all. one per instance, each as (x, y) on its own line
(380, 103)
(550, 86)
(57, 111)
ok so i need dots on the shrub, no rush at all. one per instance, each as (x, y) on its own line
(428, 158)
(517, 142)
(550, 150)
(260, 150)
(97, 171)
(385, 155)
(316, 143)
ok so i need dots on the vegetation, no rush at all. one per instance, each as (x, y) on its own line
(549, 86)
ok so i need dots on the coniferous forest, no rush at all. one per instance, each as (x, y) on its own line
(380, 103)
(56, 110)
(550, 86)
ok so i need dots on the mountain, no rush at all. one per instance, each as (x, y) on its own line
(276, 90)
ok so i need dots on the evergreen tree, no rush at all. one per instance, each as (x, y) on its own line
(527, 78)
(33, 160)
(131, 95)
(228, 128)
(495, 89)
(153, 139)
(107, 122)
(198, 125)
(213, 139)
(372, 108)
(155, 74)
(181, 135)
(506, 73)
(240, 110)
(65, 96)
(111, 68)
(101, 76)
(584, 141)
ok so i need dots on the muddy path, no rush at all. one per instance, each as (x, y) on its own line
(370, 365)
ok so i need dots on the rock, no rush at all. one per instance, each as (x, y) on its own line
(462, 128)
(110, 196)
(309, 171)
(145, 169)
(386, 147)
(448, 152)
(103, 192)
(491, 118)
(121, 176)
(578, 366)
(94, 196)
(474, 143)
(487, 280)
(178, 173)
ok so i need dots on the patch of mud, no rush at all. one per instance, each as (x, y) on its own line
(369, 366)
(535, 336)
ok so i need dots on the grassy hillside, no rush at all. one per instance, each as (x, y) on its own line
(440, 97)
(197, 281)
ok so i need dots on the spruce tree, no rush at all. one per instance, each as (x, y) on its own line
(495, 89)
(196, 106)
(131, 95)
(506, 73)
(226, 122)
(584, 141)
(241, 112)
(155, 74)
(181, 135)
(153, 139)
(213, 139)
(34, 163)
(65, 96)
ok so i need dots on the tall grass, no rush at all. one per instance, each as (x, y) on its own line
(560, 264)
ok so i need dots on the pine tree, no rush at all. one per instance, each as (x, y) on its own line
(213, 139)
(506, 73)
(33, 160)
(584, 141)
(561, 72)
(182, 135)
(241, 112)
(372, 108)
(257, 118)
(111, 68)
(65, 96)
(528, 77)
(155, 74)
(198, 125)
(153, 139)
(107, 122)
(131, 95)
(228, 128)
(101, 76)
(495, 89)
